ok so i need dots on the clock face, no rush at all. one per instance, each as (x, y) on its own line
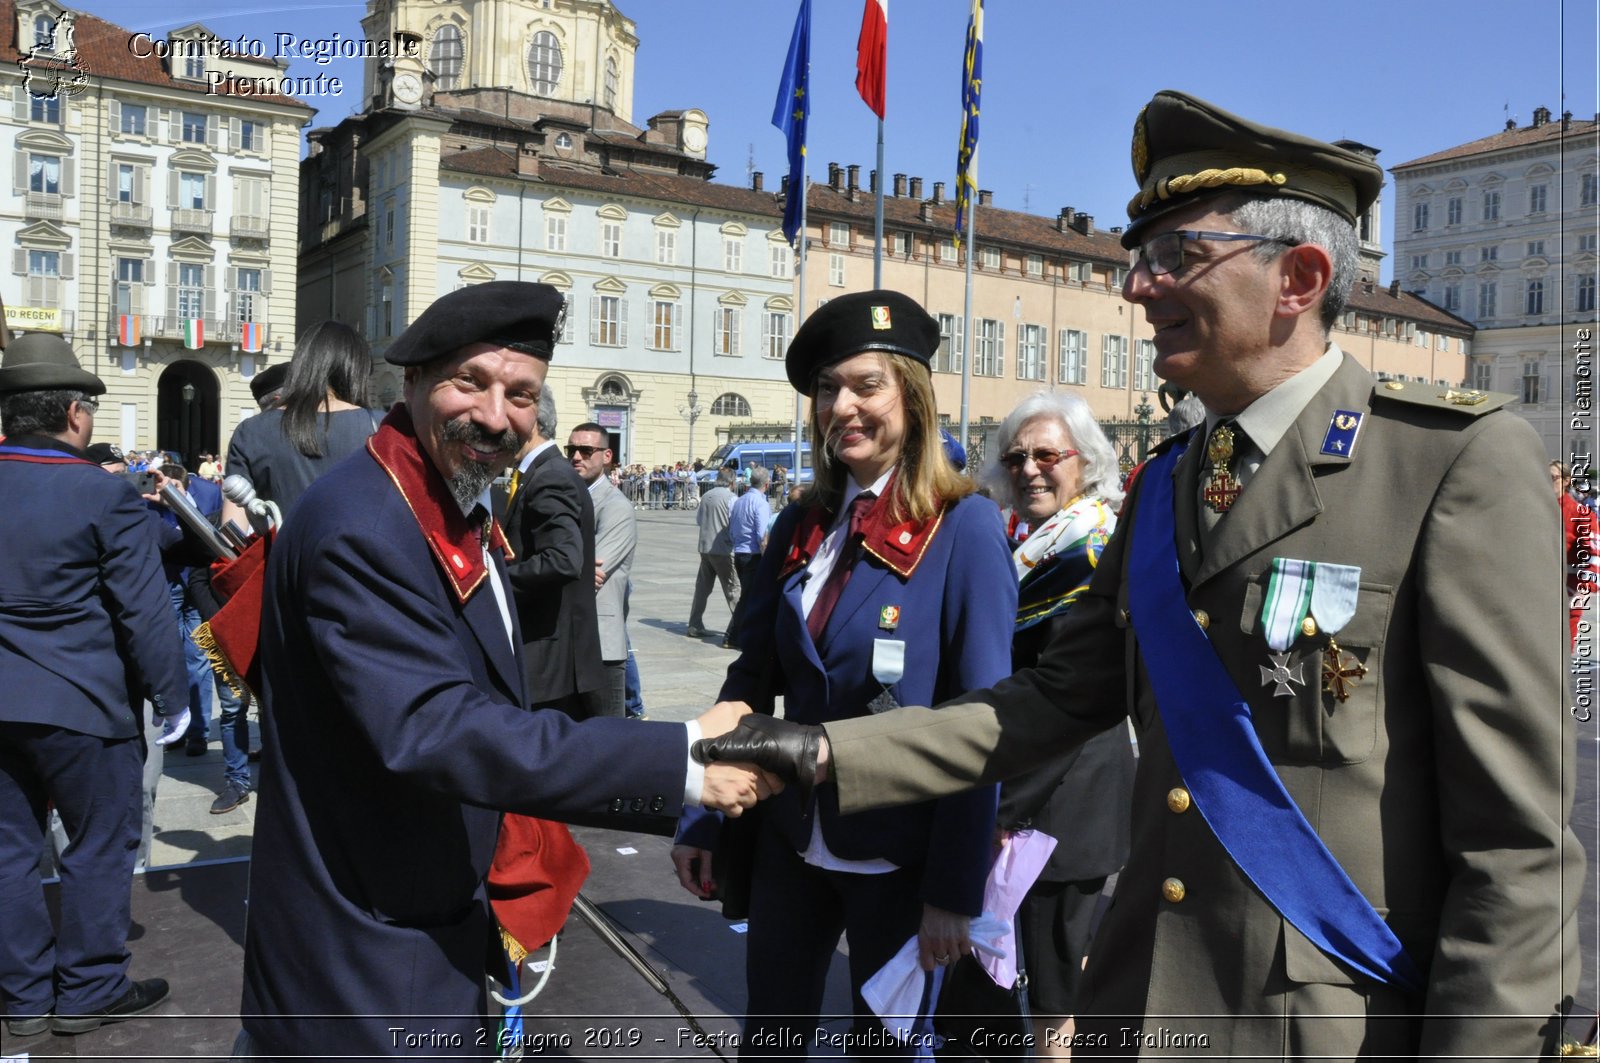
(407, 88)
(694, 138)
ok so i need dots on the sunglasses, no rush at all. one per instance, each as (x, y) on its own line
(1044, 457)
(587, 452)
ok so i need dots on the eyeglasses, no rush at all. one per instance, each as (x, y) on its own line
(587, 452)
(1164, 254)
(92, 405)
(1044, 457)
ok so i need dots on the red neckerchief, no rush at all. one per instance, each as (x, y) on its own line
(898, 545)
(451, 537)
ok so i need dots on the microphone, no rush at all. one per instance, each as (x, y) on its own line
(264, 515)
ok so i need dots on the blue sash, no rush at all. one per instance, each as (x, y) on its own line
(1217, 752)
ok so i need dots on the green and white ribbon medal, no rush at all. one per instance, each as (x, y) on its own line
(1288, 600)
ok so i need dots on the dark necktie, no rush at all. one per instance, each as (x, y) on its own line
(822, 609)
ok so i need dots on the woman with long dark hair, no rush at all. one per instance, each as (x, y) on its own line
(323, 416)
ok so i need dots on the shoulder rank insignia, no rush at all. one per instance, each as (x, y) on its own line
(1341, 438)
(1471, 402)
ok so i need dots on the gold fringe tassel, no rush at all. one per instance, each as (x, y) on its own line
(207, 641)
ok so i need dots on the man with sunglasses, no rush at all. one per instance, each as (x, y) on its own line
(616, 534)
(1350, 813)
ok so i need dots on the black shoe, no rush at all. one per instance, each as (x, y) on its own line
(254, 755)
(194, 747)
(140, 998)
(696, 632)
(727, 644)
(28, 1026)
(232, 796)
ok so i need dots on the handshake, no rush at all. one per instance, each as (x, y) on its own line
(749, 756)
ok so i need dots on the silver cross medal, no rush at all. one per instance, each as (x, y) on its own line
(1282, 674)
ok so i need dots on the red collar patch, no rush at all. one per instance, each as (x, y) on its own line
(899, 545)
(451, 537)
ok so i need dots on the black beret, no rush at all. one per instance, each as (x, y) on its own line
(105, 454)
(499, 312)
(861, 321)
(269, 380)
(43, 361)
(1185, 149)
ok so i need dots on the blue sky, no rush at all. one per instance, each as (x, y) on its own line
(1062, 80)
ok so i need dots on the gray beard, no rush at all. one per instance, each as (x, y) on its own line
(472, 479)
(469, 483)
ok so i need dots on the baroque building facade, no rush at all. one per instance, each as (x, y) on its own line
(1502, 231)
(682, 294)
(148, 183)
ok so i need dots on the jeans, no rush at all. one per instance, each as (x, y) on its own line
(234, 723)
(194, 659)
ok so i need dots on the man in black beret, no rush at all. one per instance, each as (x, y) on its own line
(396, 724)
(1350, 816)
(86, 635)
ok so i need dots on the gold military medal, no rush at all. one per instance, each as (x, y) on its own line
(1340, 671)
(1223, 487)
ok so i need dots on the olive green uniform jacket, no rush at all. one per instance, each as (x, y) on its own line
(1442, 785)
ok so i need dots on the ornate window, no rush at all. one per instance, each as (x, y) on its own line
(730, 405)
(544, 63)
(445, 56)
(611, 84)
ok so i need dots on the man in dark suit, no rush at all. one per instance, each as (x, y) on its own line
(396, 728)
(86, 635)
(1349, 832)
(550, 525)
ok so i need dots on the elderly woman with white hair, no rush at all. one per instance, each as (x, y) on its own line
(1057, 473)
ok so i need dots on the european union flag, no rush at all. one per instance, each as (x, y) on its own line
(789, 115)
(967, 151)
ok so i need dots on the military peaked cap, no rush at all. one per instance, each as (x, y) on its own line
(43, 361)
(517, 314)
(1185, 149)
(861, 321)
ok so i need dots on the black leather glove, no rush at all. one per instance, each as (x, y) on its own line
(787, 750)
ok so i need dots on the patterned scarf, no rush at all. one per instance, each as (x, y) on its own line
(1054, 562)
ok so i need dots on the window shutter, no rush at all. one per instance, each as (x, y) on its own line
(67, 259)
(141, 179)
(266, 280)
(677, 326)
(111, 181)
(1000, 350)
(172, 296)
(211, 191)
(232, 279)
(211, 293)
(19, 96)
(233, 134)
(213, 132)
(622, 322)
(594, 319)
(174, 124)
(149, 271)
(114, 115)
(69, 171)
(19, 261)
(19, 181)
(172, 189)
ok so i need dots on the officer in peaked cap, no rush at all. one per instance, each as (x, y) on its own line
(1401, 881)
(86, 636)
(520, 315)
(861, 321)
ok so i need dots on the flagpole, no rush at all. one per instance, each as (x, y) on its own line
(799, 311)
(966, 359)
(877, 217)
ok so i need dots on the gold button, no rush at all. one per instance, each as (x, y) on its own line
(1203, 619)
(1308, 627)
(1178, 799)
(1172, 889)
(1394, 385)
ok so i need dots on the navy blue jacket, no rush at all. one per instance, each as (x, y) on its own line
(955, 611)
(86, 626)
(395, 735)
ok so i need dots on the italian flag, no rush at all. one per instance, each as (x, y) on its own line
(872, 60)
(194, 333)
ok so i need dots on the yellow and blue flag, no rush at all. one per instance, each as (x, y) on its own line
(967, 151)
(789, 115)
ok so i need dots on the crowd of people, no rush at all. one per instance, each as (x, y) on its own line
(1342, 830)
